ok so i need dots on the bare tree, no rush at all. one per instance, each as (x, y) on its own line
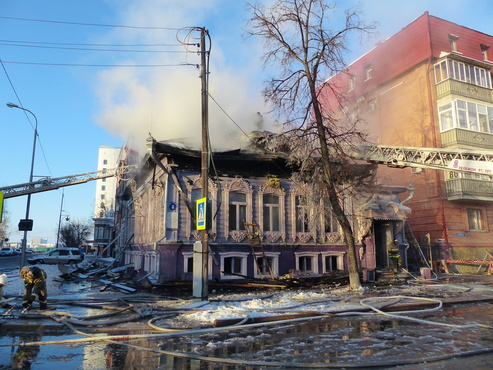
(303, 52)
(75, 233)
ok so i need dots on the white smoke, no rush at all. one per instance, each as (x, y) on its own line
(166, 101)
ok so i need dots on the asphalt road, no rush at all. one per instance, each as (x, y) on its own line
(8, 263)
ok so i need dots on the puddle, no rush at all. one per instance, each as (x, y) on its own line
(330, 342)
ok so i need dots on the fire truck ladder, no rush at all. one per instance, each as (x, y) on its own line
(53, 183)
(461, 160)
(255, 239)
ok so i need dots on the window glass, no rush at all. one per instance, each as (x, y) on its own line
(305, 263)
(482, 118)
(472, 116)
(264, 264)
(330, 263)
(445, 114)
(302, 214)
(237, 211)
(232, 265)
(474, 219)
(271, 212)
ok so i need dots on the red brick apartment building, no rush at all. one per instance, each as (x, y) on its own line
(429, 85)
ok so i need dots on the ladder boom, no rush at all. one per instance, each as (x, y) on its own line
(49, 183)
(461, 160)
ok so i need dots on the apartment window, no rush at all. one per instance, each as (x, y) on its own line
(352, 83)
(466, 115)
(302, 214)
(369, 73)
(453, 42)
(484, 51)
(460, 71)
(102, 196)
(103, 188)
(474, 221)
(103, 179)
(105, 161)
(237, 210)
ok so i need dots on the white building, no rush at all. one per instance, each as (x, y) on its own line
(105, 188)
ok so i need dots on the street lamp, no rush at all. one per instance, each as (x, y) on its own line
(67, 217)
(27, 224)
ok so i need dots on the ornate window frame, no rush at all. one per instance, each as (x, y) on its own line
(303, 237)
(273, 187)
(240, 185)
(332, 237)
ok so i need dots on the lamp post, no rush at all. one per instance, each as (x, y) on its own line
(60, 220)
(27, 224)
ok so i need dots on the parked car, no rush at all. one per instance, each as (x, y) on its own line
(7, 251)
(59, 255)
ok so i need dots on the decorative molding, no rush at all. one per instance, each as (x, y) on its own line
(273, 237)
(332, 237)
(237, 235)
(304, 237)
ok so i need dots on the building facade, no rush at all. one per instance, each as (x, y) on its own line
(430, 86)
(250, 193)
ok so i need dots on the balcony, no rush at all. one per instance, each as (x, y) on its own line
(460, 138)
(454, 87)
(469, 189)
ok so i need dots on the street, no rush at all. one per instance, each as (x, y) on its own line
(95, 329)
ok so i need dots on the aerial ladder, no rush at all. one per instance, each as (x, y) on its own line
(53, 183)
(460, 160)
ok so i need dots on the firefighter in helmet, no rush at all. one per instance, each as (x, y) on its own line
(34, 287)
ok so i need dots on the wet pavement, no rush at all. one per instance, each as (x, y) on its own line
(170, 334)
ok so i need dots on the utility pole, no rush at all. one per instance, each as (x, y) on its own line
(200, 287)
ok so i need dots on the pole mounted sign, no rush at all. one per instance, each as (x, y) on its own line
(200, 215)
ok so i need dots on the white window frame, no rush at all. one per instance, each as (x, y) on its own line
(467, 115)
(313, 256)
(239, 223)
(340, 261)
(244, 260)
(187, 255)
(275, 263)
(351, 83)
(369, 73)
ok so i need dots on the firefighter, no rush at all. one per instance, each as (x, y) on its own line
(394, 255)
(34, 287)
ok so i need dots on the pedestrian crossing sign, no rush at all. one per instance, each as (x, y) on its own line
(200, 215)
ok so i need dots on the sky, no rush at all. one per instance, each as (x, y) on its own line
(84, 98)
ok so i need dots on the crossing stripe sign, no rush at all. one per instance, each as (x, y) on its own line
(200, 215)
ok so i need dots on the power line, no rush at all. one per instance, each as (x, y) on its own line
(90, 24)
(91, 44)
(92, 49)
(102, 65)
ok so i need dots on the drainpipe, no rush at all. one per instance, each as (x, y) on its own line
(435, 144)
